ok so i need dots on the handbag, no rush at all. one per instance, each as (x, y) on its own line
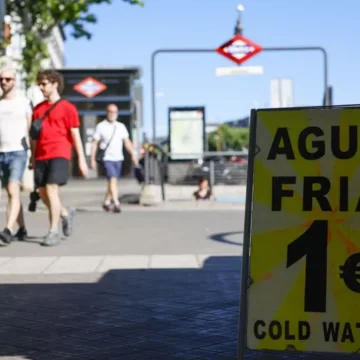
(36, 125)
(101, 152)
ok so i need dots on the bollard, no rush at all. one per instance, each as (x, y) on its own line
(212, 174)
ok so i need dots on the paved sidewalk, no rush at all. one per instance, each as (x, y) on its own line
(136, 233)
(126, 314)
(148, 284)
(88, 195)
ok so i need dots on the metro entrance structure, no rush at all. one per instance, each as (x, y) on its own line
(91, 90)
(238, 49)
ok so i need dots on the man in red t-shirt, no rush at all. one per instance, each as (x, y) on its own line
(51, 153)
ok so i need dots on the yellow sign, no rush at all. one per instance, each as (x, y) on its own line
(304, 291)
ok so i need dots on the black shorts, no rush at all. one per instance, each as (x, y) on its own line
(54, 171)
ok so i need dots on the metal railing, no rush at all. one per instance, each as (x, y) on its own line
(228, 168)
(218, 168)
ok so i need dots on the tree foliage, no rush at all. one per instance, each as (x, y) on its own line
(229, 138)
(38, 19)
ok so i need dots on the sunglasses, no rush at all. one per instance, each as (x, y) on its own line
(7, 79)
(43, 83)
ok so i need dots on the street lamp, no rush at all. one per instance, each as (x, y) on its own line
(238, 27)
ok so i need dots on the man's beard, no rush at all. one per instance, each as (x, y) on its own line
(6, 91)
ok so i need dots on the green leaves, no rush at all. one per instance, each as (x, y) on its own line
(39, 17)
(230, 138)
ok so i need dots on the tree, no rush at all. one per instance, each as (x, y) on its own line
(226, 137)
(39, 17)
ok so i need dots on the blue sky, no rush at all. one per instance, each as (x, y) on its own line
(127, 35)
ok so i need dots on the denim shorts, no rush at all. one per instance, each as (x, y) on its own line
(12, 166)
(113, 169)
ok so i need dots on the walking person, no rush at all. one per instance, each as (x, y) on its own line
(55, 128)
(107, 149)
(15, 120)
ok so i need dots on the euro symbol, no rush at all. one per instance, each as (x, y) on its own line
(350, 273)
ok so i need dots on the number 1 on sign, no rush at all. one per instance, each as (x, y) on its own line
(313, 245)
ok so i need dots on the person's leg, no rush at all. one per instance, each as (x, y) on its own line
(5, 236)
(107, 200)
(117, 168)
(21, 219)
(59, 174)
(109, 173)
(52, 192)
(42, 175)
(16, 167)
(45, 199)
(14, 205)
(114, 189)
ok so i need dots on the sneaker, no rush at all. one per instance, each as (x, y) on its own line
(6, 236)
(107, 207)
(117, 209)
(67, 223)
(52, 239)
(21, 234)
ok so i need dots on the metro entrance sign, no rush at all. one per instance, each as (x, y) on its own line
(239, 49)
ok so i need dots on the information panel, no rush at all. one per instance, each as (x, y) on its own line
(304, 291)
(186, 133)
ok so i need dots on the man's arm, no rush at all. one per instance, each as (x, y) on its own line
(94, 147)
(33, 144)
(29, 121)
(130, 148)
(79, 150)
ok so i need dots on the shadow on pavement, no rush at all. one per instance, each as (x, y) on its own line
(223, 237)
(160, 314)
(126, 314)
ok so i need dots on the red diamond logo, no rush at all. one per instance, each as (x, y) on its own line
(239, 49)
(89, 87)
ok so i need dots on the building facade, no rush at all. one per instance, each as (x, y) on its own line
(12, 59)
(91, 90)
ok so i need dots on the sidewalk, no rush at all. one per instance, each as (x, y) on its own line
(172, 192)
(88, 195)
(164, 314)
(158, 285)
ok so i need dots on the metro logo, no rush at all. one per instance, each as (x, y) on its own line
(239, 49)
(89, 87)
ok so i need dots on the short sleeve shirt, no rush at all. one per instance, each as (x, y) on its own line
(55, 139)
(14, 124)
(103, 133)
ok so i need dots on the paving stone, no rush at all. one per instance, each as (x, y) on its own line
(8, 349)
(124, 262)
(74, 265)
(173, 261)
(26, 265)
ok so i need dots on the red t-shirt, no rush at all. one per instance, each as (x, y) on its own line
(55, 139)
